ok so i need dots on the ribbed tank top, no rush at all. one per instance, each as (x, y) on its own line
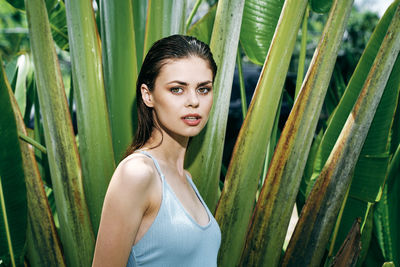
(175, 238)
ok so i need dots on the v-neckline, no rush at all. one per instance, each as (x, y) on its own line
(183, 207)
(158, 167)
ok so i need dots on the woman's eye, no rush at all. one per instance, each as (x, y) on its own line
(204, 90)
(176, 90)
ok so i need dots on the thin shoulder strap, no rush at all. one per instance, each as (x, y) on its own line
(193, 186)
(155, 162)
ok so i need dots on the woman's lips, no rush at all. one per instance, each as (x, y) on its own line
(191, 119)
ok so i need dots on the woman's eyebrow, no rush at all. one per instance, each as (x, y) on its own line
(204, 83)
(179, 82)
(185, 83)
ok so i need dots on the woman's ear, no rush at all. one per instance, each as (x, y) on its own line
(146, 95)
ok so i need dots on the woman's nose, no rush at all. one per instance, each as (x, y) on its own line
(192, 99)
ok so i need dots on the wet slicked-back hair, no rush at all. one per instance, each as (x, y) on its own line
(169, 48)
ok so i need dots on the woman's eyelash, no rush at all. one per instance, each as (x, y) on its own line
(204, 90)
(176, 90)
(201, 90)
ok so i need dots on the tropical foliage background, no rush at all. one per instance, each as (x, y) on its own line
(321, 132)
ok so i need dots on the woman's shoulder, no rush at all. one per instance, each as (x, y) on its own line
(135, 171)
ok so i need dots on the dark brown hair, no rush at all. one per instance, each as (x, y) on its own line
(171, 47)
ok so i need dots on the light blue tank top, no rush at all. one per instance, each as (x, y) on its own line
(175, 239)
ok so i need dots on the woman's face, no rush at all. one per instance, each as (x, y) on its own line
(182, 95)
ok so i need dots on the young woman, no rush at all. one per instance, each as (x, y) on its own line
(153, 214)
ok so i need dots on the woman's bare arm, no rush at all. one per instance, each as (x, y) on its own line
(125, 203)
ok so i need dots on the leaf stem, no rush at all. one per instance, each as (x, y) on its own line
(241, 82)
(194, 10)
(32, 142)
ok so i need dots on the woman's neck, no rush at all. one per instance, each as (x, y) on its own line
(168, 148)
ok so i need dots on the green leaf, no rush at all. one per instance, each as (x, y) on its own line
(58, 24)
(370, 170)
(13, 217)
(260, 18)
(17, 3)
(388, 264)
(347, 102)
(192, 13)
(374, 256)
(38, 135)
(274, 207)
(202, 29)
(320, 6)
(335, 91)
(319, 214)
(302, 55)
(353, 209)
(237, 199)
(20, 87)
(76, 232)
(43, 246)
(165, 17)
(387, 216)
(30, 93)
(139, 18)
(11, 70)
(120, 70)
(307, 175)
(366, 235)
(51, 3)
(95, 142)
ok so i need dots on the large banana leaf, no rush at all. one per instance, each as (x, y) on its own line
(95, 143)
(120, 70)
(319, 214)
(13, 217)
(260, 18)
(204, 154)
(139, 19)
(370, 171)
(43, 245)
(164, 17)
(387, 216)
(352, 91)
(238, 195)
(76, 232)
(275, 204)
(202, 29)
